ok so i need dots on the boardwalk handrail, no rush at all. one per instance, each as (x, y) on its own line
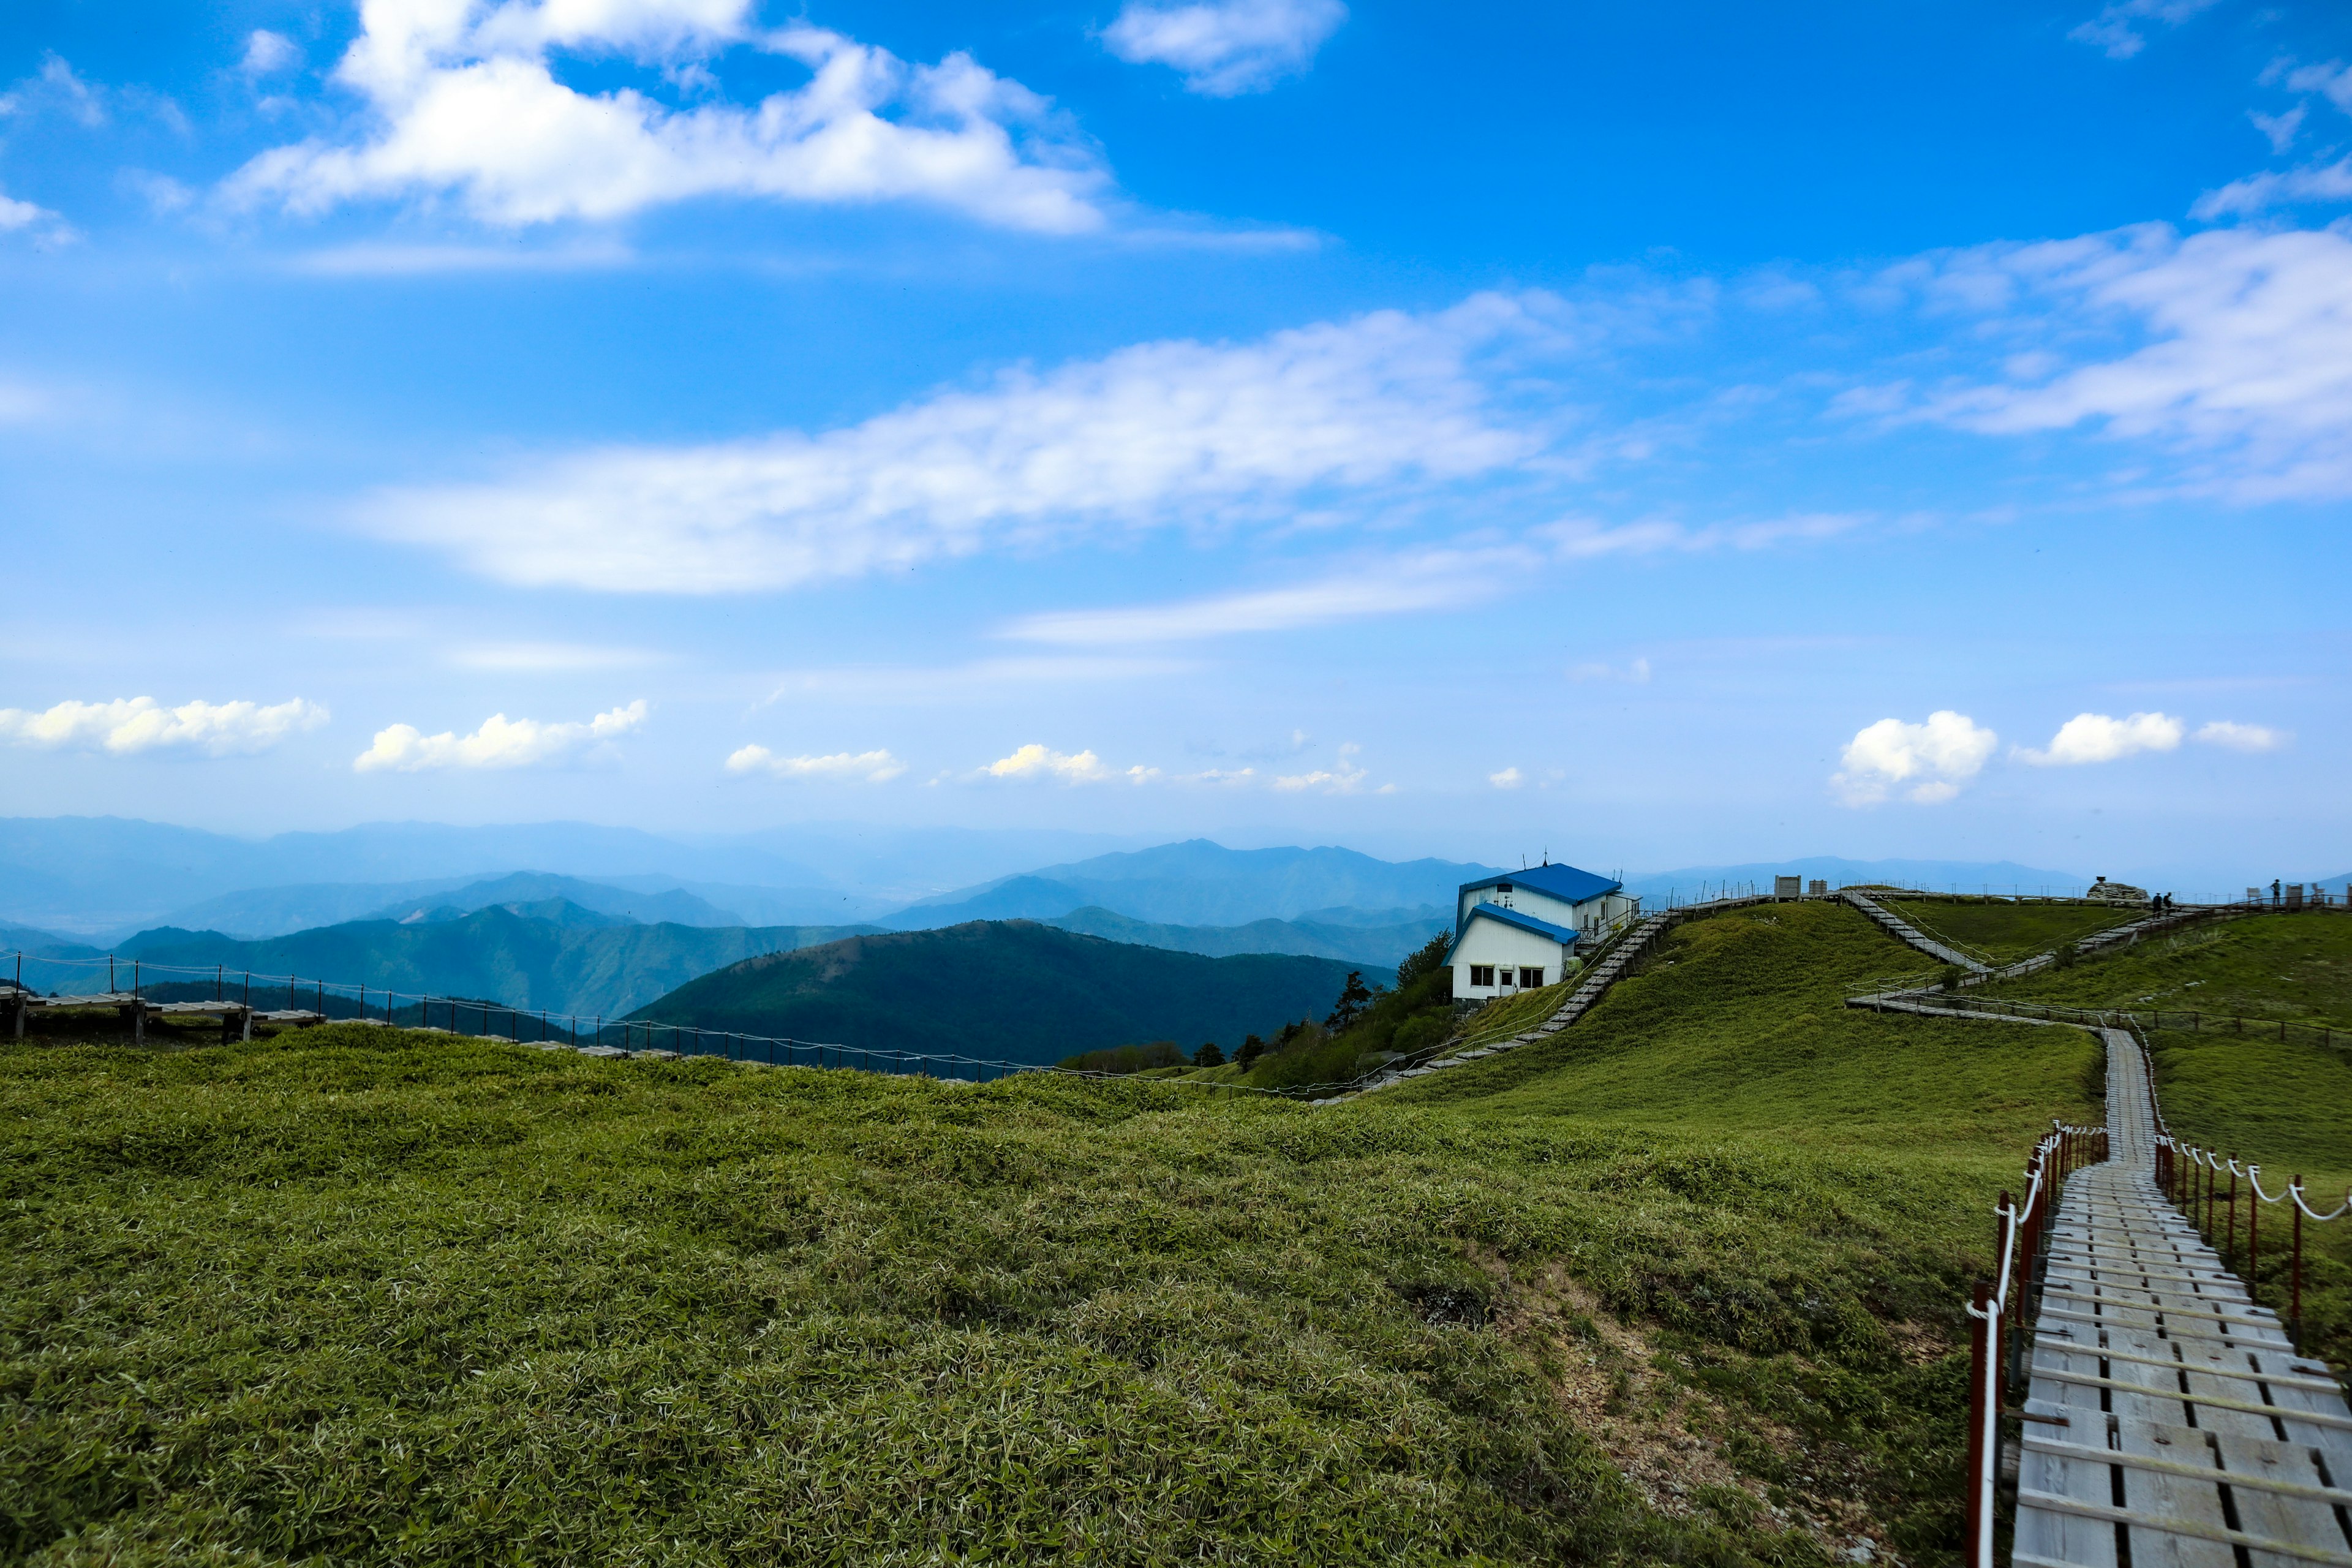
(2017, 1237)
(2191, 1176)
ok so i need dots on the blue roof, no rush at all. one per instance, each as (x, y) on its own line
(1560, 934)
(1565, 883)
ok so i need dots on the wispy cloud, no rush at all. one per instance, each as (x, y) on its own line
(1928, 763)
(1160, 434)
(1509, 778)
(1434, 580)
(2100, 738)
(465, 101)
(1633, 672)
(2241, 737)
(500, 742)
(2258, 192)
(1344, 776)
(2247, 372)
(1225, 47)
(2118, 29)
(130, 725)
(869, 767)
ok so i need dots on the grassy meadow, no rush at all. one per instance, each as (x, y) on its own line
(2001, 932)
(2295, 967)
(1678, 1286)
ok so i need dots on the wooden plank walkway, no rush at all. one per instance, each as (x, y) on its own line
(2169, 1422)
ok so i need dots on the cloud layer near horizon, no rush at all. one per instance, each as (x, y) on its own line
(130, 725)
(500, 742)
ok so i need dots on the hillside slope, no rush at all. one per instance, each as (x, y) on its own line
(494, 954)
(2295, 966)
(632, 1309)
(1010, 990)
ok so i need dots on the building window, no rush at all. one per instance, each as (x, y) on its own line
(1531, 977)
(1482, 974)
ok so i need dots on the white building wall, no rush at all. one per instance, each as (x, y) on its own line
(1586, 916)
(1492, 942)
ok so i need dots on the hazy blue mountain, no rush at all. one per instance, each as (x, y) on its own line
(92, 875)
(1008, 991)
(303, 906)
(531, 888)
(43, 943)
(495, 954)
(1200, 883)
(1015, 899)
(1377, 949)
(1402, 914)
(769, 905)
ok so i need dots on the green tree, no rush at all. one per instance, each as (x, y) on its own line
(1354, 998)
(1209, 1056)
(1425, 960)
(1252, 1048)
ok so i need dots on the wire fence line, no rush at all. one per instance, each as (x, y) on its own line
(1911, 990)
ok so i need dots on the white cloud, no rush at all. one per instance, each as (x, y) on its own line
(1509, 778)
(1036, 762)
(2331, 79)
(267, 53)
(2241, 737)
(501, 742)
(16, 215)
(141, 724)
(1929, 761)
(1158, 433)
(2116, 28)
(1434, 580)
(2278, 129)
(2257, 193)
(873, 767)
(2098, 738)
(1226, 46)
(2247, 371)
(1345, 777)
(465, 101)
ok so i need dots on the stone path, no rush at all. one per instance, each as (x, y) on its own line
(2169, 1421)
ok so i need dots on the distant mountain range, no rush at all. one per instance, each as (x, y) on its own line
(1200, 883)
(105, 875)
(1378, 948)
(1967, 876)
(1009, 991)
(553, 954)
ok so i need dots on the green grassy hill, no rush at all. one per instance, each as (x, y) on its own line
(1681, 1286)
(2278, 966)
(589, 966)
(1003, 990)
(2003, 931)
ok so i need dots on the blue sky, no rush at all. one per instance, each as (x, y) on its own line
(1655, 435)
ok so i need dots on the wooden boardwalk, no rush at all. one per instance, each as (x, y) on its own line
(2169, 1421)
